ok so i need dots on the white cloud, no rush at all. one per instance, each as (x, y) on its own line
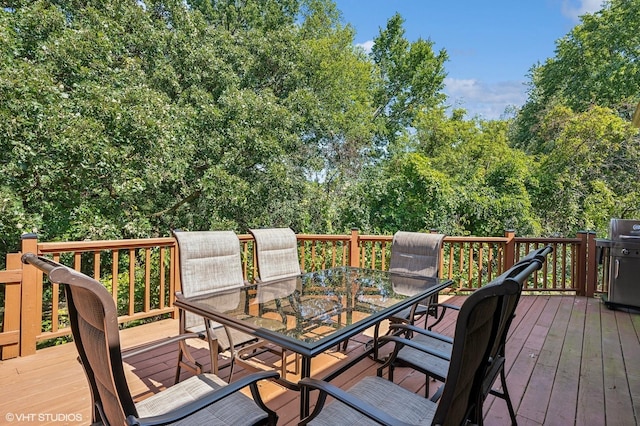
(487, 101)
(366, 46)
(573, 9)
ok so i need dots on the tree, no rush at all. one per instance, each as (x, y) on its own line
(458, 176)
(410, 78)
(596, 63)
(589, 171)
(407, 192)
(124, 119)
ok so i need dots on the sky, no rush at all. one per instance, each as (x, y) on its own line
(491, 44)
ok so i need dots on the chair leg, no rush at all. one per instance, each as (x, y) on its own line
(283, 360)
(426, 386)
(190, 362)
(297, 366)
(507, 398)
(477, 416)
(212, 340)
(376, 347)
(231, 365)
(178, 367)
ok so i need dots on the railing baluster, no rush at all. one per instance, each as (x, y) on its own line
(471, 262)
(147, 280)
(132, 281)
(55, 302)
(114, 275)
(162, 277)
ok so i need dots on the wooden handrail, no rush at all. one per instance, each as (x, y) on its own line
(82, 246)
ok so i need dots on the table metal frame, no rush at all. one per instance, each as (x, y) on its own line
(308, 350)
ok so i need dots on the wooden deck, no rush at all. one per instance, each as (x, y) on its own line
(570, 360)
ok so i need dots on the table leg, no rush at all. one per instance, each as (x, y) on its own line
(304, 391)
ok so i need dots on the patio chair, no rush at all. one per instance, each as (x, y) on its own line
(277, 258)
(415, 253)
(375, 400)
(415, 352)
(210, 261)
(201, 399)
(276, 253)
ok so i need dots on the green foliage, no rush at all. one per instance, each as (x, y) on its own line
(596, 63)
(124, 119)
(411, 77)
(411, 194)
(590, 170)
(457, 176)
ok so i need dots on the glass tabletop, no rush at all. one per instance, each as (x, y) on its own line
(314, 310)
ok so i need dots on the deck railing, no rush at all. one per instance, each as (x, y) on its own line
(142, 274)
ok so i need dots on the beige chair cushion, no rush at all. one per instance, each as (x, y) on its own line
(233, 410)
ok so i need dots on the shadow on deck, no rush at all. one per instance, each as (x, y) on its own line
(570, 360)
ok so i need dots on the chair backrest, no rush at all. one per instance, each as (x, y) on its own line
(94, 324)
(476, 329)
(518, 273)
(539, 254)
(209, 260)
(276, 253)
(416, 253)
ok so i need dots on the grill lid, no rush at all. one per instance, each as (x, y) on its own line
(624, 230)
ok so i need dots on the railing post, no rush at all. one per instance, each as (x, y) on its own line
(509, 249)
(592, 265)
(581, 264)
(10, 335)
(31, 309)
(354, 248)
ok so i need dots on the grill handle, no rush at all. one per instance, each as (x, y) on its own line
(617, 268)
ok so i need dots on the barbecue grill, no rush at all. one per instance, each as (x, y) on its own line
(624, 263)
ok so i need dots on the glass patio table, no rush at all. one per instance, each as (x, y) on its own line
(314, 311)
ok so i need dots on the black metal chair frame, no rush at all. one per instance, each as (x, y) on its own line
(477, 327)
(517, 273)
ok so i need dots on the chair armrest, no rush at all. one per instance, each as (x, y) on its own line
(447, 305)
(348, 399)
(128, 353)
(411, 343)
(414, 329)
(188, 409)
(444, 307)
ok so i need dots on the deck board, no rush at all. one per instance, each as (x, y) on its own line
(568, 330)
(541, 344)
(629, 328)
(570, 360)
(591, 388)
(617, 398)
